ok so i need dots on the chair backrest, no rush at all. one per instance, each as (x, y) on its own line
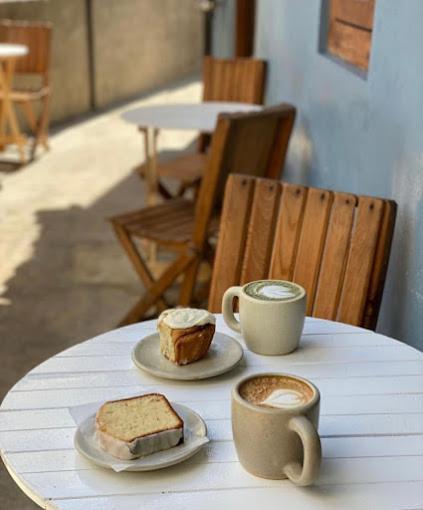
(336, 245)
(253, 143)
(37, 37)
(240, 80)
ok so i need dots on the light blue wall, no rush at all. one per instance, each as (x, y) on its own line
(223, 41)
(354, 134)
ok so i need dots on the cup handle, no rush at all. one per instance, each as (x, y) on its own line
(228, 309)
(307, 473)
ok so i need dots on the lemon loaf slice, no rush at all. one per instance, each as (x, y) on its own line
(185, 334)
(138, 426)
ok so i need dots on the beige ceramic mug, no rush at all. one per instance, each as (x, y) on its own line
(277, 438)
(271, 314)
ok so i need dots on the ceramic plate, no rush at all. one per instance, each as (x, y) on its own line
(195, 436)
(224, 354)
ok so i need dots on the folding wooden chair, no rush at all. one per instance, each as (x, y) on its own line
(239, 80)
(254, 143)
(37, 37)
(336, 245)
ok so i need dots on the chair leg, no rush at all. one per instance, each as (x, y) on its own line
(209, 254)
(157, 289)
(30, 115)
(137, 261)
(164, 192)
(41, 134)
(188, 283)
(182, 189)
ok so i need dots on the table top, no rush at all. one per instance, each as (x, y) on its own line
(12, 50)
(194, 116)
(371, 427)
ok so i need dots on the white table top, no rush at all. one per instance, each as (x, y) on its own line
(371, 427)
(195, 116)
(12, 50)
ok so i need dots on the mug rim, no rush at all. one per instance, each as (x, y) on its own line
(277, 410)
(274, 301)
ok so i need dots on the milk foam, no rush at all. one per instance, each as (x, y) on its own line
(273, 290)
(276, 292)
(285, 397)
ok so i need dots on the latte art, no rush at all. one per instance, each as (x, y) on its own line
(276, 292)
(284, 398)
(273, 290)
(278, 391)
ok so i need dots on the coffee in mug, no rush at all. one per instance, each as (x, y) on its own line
(271, 313)
(274, 423)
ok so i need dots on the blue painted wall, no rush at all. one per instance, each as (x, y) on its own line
(362, 135)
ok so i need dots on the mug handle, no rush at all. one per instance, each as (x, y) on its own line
(307, 473)
(228, 309)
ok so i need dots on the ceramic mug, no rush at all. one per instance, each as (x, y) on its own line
(271, 315)
(278, 442)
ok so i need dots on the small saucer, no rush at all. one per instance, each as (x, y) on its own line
(195, 436)
(224, 354)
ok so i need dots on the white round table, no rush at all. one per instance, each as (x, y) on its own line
(192, 116)
(371, 427)
(12, 50)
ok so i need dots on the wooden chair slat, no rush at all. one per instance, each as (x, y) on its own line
(259, 242)
(380, 266)
(240, 80)
(332, 269)
(287, 232)
(232, 238)
(312, 241)
(336, 245)
(155, 211)
(360, 260)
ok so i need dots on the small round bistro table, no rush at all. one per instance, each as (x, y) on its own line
(9, 53)
(371, 427)
(183, 116)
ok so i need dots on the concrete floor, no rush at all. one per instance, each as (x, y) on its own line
(63, 277)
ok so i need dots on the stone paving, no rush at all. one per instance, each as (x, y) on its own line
(63, 277)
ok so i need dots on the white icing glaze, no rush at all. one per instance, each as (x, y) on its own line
(181, 318)
(140, 447)
(277, 292)
(285, 397)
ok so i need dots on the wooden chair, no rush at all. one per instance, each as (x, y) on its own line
(37, 37)
(336, 245)
(254, 143)
(239, 80)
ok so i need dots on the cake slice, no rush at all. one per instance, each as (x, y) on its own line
(185, 334)
(138, 426)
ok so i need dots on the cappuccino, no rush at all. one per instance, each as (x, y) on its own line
(273, 290)
(271, 315)
(274, 423)
(276, 391)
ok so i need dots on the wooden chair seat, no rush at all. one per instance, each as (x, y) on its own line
(22, 96)
(171, 223)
